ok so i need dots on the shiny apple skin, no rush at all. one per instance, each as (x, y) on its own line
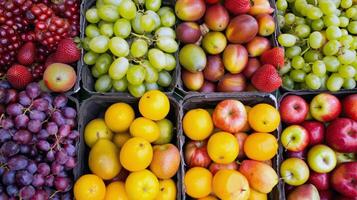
(214, 69)
(216, 17)
(242, 29)
(232, 83)
(235, 58)
(258, 45)
(341, 135)
(293, 109)
(192, 81)
(196, 154)
(316, 131)
(320, 180)
(190, 10)
(344, 178)
(349, 104)
(188, 32)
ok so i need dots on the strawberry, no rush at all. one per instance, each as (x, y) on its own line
(274, 56)
(237, 6)
(266, 78)
(67, 51)
(18, 76)
(27, 54)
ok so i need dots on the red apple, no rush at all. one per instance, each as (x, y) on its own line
(215, 167)
(257, 46)
(325, 195)
(216, 17)
(261, 7)
(212, 1)
(196, 154)
(190, 10)
(242, 29)
(252, 66)
(341, 135)
(297, 154)
(293, 109)
(208, 87)
(232, 83)
(59, 77)
(241, 139)
(340, 197)
(229, 115)
(235, 58)
(266, 24)
(325, 107)
(214, 69)
(349, 104)
(344, 179)
(320, 180)
(188, 32)
(159, 165)
(316, 131)
(304, 192)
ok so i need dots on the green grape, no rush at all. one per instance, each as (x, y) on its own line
(287, 40)
(346, 41)
(127, 9)
(119, 47)
(331, 63)
(346, 71)
(90, 58)
(99, 44)
(289, 18)
(167, 44)
(312, 55)
(323, 82)
(118, 68)
(354, 63)
(286, 68)
(297, 75)
(138, 48)
(95, 72)
(139, 2)
(306, 68)
(164, 79)
(106, 29)
(338, 12)
(314, 13)
(103, 84)
(92, 15)
(103, 62)
(168, 19)
(349, 83)
(152, 86)
(163, 10)
(120, 85)
(112, 2)
(343, 21)
(165, 32)
(354, 43)
(99, 3)
(155, 58)
(136, 74)
(153, 5)
(352, 27)
(300, 20)
(331, 47)
(136, 25)
(156, 18)
(351, 12)
(281, 20)
(108, 13)
(344, 32)
(336, 2)
(152, 75)
(282, 5)
(334, 82)
(137, 90)
(317, 25)
(346, 56)
(346, 3)
(331, 20)
(333, 33)
(355, 77)
(297, 62)
(92, 31)
(316, 40)
(290, 52)
(288, 82)
(170, 62)
(327, 7)
(302, 30)
(122, 28)
(319, 68)
(290, 1)
(147, 23)
(300, 5)
(312, 81)
(85, 43)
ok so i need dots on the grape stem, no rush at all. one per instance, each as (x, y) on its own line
(52, 195)
(142, 36)
(308, 48)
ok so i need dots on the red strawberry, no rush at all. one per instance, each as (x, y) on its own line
(67, 52)
(18, 76)
(27, 54)
(237, 6)
(274, 56)
(266, 78)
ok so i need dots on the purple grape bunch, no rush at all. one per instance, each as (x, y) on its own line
(37, 144)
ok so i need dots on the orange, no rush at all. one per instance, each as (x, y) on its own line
(210, 197)
(145, 128)
(260, 146)
(197, 124)
(230, 184)
(198, 182)
(142, 185)
(89, 187)
(223, 147)
(119, 116)
(154, 105)
(120, 138)
(264, 118)
(167, 190)
(116, 191)
(95, 130)
(246, 125)
(136, 154)
(255, 195)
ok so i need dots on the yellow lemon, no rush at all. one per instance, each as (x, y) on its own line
(119, 116)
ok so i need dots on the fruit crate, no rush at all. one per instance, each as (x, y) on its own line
(207, 101)
(95, 107)
(88, 80)
(307, 95)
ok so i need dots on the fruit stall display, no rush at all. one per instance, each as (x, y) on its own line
(35, 34)
(228, 47)
(129, 46)
(320, 42)
(320, 142)
(130, 148)
(38, 143)
(231, 147)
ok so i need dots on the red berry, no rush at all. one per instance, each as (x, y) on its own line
(274, 56)
(67, 51)
(27, 54)
(18, 76)
(266, 78)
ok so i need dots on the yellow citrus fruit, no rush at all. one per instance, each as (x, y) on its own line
(142, 185)
(119, 139)
(246, 125)
(255, 195)
(260, 146)
(154, 105)
(116, 191)
(119, 116)
(230, 184)
(145, 128)
(136, 154)
(95, 130)
(210, 197)
(166, 131)
(197, 124)
(198, 182)
(167, 190)
(263, 118)
(89, 187)
(223, 147)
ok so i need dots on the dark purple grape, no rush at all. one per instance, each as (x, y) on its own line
(7, 123)
(50, 156)
(25, 149)
(14, 109)
(73, 135)
(71, 163)
(4, 135)
(21, 121)
(70, 149)
(56, 168)
(2, 170)
(40, 195)
(58, 118)
(61, 157)
(40, 104)
(17, 162)
(60, 101)
(33, 90)
(49, 180)
(52, 128)
(64, 130)
(22, 137)
(11, 96)
(3, 158)
(9, 148)
(8, 177)
(3, 196)
(35, 114)
(39, 158)
(62, 184)
(43, 134)
(23, 177)
(2, 95)
(47, 96)
(34, 126)
(5, 84)
(43, 169)
(38, 180)
(67, 141)
(33, 152)
(24, 99)
(69, 112)
(71, 123)
(43, 145)
(66, 196)
(12, 190)
(27, 192)
(31, 167)
(56, 196)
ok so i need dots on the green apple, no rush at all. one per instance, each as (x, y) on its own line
(295, 138)
(294, 171)
(321, 158)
